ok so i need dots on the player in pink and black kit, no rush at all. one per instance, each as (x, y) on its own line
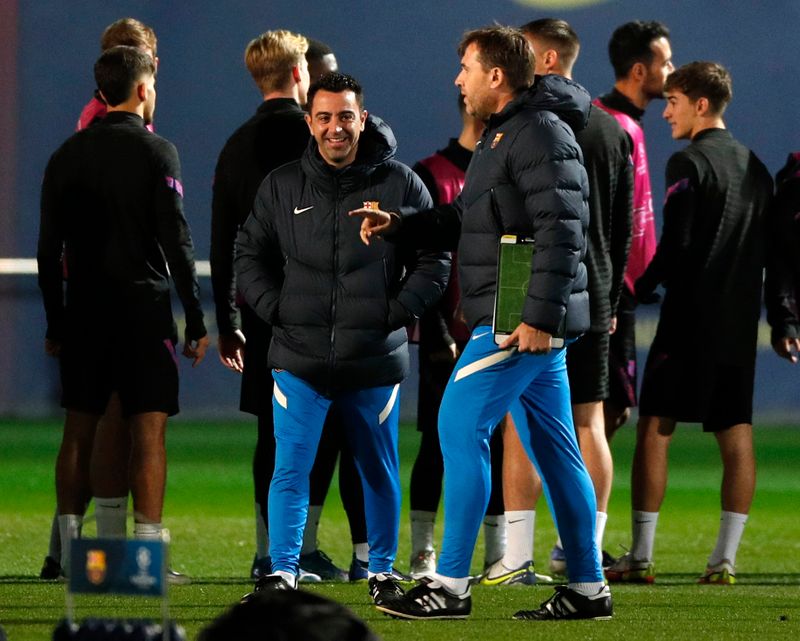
(442, 334)
(642, 59)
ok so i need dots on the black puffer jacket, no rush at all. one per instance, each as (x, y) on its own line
(339, 308)
(526, 177)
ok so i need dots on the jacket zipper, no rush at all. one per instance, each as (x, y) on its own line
(334, 289)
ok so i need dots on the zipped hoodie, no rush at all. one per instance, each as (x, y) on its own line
(338, 307)
(526, 177)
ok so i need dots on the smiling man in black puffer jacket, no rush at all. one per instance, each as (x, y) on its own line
(339, 311)
(526, 177)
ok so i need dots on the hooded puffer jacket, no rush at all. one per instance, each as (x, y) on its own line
(526, 177)
(338, 308)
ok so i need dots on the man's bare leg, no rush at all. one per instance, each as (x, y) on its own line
(73, 488)
(109, 470)
(590, 428)
(148, 470)
(738, 488)
(649, 480)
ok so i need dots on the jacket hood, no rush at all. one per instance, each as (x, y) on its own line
(376, 145)
(562, 96)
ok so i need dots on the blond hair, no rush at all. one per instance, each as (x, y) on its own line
(129, 32)
(271, 57)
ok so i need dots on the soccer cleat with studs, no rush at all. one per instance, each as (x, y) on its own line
(429, 599)
(629, 570)
(558, 560)
(568, 604)
(499, 574)
(723, 573)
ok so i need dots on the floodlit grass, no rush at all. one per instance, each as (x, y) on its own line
(209, 512)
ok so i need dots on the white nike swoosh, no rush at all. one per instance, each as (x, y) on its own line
(300, 211)
(477, 336)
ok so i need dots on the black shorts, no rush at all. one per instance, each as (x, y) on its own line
(144, 373)
(681, 387)
(587, 368)
(622, 355)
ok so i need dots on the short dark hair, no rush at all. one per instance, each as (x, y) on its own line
(117, 71)
(702, 79)
(317, 49)
(505, 48)
(558, 35)
(335, 82)
(630, 43)
(288, 615)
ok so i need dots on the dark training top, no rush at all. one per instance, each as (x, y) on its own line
(618, 101)
(710, 256)
(275, 135)
(607, 159)
(112, 203)
(782, 284)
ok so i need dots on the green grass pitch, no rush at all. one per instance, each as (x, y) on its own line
(209, 512)
(514, 276)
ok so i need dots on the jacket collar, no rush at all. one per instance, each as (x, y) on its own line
(564, 97)
(376, 146)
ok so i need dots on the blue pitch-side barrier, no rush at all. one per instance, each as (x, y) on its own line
(29, 379)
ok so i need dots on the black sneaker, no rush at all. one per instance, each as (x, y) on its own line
(267, 583)
(429, 600)
(568, 604)
(319, 563)
(51, 570)
(261, 567)
(384, 589)
(608, 559)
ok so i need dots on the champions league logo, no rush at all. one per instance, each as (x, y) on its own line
(143, 579)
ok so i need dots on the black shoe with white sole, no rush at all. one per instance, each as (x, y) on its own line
(429, 600)
(384, 589)
(268, 583)
(568, 604)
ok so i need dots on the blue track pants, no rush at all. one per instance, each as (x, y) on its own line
(370, 417)
(486, 383)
